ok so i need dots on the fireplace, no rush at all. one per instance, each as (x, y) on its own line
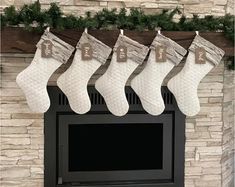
(98, 149)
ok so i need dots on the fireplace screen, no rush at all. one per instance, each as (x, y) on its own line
(99, 148)
(107, 147)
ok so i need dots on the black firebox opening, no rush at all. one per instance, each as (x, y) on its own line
(108, 147)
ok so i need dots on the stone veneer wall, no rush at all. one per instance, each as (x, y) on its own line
(188, 7)
(228, 127)
(209, 135)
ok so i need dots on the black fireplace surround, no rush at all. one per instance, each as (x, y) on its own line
(98, 149)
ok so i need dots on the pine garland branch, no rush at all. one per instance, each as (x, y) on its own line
(33, 18)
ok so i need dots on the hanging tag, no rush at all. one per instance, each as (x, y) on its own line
(200, 55)
(161, 53)
(122, 54)
(87, 51)
(46, 49)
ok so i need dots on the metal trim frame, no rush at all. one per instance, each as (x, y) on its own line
(55, 177)
(165, 173)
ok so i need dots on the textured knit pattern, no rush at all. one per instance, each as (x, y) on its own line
(147, 85)
(112, 85)
(33, 81)
(74, 82)
(185, 84)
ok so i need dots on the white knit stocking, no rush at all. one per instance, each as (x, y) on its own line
(33, 80)
(74, 81)
(112, 84)
(147, 84)
(184, 85)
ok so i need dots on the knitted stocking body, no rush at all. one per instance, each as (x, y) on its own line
(74, 81)
(147, 84)
(33, 80)
(184, 85)
(112, 84)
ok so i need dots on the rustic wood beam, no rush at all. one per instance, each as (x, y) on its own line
(17, 40)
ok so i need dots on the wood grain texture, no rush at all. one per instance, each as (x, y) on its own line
(213, 53)
(17, 40)
(175, 52)
(61, 50)
(100, 51)
(136, 51)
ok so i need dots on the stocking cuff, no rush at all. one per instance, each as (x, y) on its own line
(135, 51)
(100, 51)
(61, 50)
(175, 52)
(213, 53)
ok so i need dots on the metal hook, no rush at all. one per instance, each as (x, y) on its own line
(158, 29)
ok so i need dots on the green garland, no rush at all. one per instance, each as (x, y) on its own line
(34, 18)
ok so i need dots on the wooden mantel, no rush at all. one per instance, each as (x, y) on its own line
(17, 40)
